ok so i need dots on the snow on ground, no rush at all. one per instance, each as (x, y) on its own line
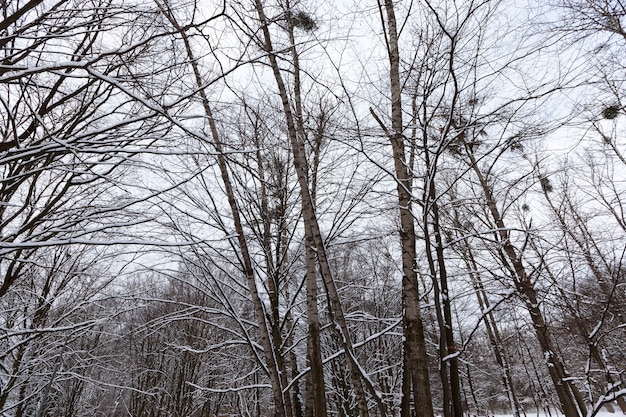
(611, 411)
(603, 413)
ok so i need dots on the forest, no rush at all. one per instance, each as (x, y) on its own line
(308, 208)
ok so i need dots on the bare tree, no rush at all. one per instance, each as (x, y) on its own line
(416, 383)
(72, 123)
(51, 320)
(293, 118)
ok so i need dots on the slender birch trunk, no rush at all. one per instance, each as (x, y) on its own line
(259, 310)
(316, 387)
(310, 219)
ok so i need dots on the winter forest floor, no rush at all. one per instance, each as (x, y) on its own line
(611, 411)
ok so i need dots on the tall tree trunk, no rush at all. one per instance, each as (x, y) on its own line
(446, 391)
(271, 361)
(448, 361)
(451, 349)
(310, 219)
(525, 288)
(315, 390)
(415, 358)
